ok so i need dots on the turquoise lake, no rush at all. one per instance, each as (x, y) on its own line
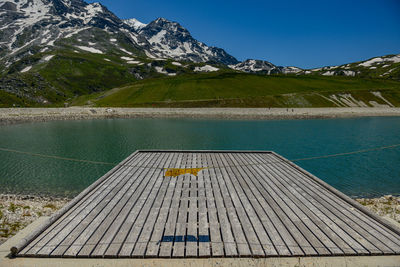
(368, 174)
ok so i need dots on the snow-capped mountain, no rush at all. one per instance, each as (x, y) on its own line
(134, 23)
(169, 39)
(385, 66)
(256, 66)
(29, 26)
(263, 67)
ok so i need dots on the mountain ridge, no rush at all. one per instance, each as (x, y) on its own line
(52, 51)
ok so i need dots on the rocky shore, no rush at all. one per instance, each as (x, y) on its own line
(18, 115)
(16, 212)
(387, 206)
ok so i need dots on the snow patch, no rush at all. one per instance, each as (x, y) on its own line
(161, 70)
(44, 50)
(368, 63)
(176, 64)
(48, 58)
(328, 73)
(26, 69)
(113, 40)
(206, 68)
(126, 51)
(127, 58)
(137, 25)
(90, 49)
(349, 73)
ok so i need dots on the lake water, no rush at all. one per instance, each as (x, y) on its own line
(368, 174)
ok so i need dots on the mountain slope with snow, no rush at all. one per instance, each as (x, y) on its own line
(170, 40)
(377, 67)
(52, 51)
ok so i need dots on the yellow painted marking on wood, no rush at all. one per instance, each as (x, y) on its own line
(177, 172)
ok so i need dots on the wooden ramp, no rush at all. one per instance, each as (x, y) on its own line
(165, 204)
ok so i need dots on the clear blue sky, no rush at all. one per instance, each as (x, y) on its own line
(301, 33)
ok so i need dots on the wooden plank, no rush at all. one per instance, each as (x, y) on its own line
(154, 197)
(159, 227)
(270, 238)
(149, 225)
(192, 222)
(166, 244)
(34, 237)
(215, 236)
(240, 237)
(62, 230)
(100, 215)
(324, 223)
(111, 249)
(388, 229)
(92, 218)
(378, 240)
(343, 222)
(386, 236)
(283, 239)
(43, 238)
(296, 203)
(109, 235)
(308, 228)
(230, 246)
(243, 207)
(181, 224)
(277, 206)
(106, 230)
(305, 236)
(203, 223)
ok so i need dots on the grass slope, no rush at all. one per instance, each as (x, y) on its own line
(243, 90)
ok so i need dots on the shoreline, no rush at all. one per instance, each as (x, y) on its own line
(18, 211)
(22, 115)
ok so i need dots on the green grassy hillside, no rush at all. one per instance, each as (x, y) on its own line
(226, 89)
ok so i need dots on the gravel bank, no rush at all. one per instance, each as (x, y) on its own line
(17, 115)
(16, 212)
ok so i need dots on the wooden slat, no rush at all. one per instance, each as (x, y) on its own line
(307, 227)
(291, 223)
(44, 238)
(159, 228)
(324, 223)
(154, 197)
(240, 237)
(149, 225)
(181, 224)
(243, 207)
(99, 216)
(109, 235)
(348, 226)
(62, 231)
(313, 222)
(230, 245)
(203, 223)
(112, 248)
(103, 235)
(217, 246)
(262, 224)
(387, 238)
(242, 204)
(191, 233)
(169, 231)
(371, 234)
